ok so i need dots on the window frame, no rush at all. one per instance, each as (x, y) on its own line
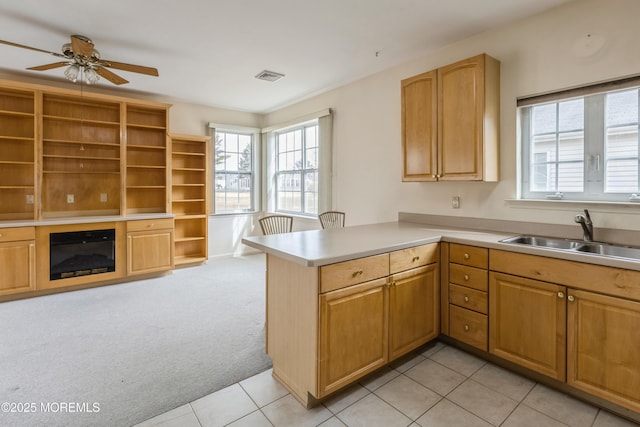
(255, 168)
(594, 168)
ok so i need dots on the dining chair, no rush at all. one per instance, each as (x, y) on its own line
(332, 219)
(276, 224)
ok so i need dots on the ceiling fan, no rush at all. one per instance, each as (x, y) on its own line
(81, 56)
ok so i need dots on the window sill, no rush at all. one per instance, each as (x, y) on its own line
(571, 205)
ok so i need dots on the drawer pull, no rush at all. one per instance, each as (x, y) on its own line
(150, 225)
(0, 234)
(466, 256)
(466, 298)
(466, 328)
(571, 298)
(415, 258)
(466, 277)
(357, 273)
(560, 294)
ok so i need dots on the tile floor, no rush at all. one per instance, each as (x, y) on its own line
(435, 386)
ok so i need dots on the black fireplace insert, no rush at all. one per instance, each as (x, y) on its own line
(80, 253)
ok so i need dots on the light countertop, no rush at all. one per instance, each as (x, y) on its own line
(314, 248)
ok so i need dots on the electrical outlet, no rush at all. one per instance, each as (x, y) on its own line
(30, 199)
(103, 197)
(455, 202)
(70, 198)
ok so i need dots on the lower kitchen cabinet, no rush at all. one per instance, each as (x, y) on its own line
(413, 317)
(602, 350)
(17, 260)
(149, 246)
(527, 323)
(353, 333)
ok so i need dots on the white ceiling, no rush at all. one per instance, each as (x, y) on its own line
(208, 51)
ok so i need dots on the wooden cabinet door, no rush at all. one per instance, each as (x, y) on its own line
(353, 334)
(460, 119)
(413, 313)
(149, 251)
(527, 323)
(419, 131)
(18, 265)
(603, 352)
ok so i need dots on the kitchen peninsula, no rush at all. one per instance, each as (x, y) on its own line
(343, 303)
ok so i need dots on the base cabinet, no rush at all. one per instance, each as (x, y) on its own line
(17, 260)
(527, 323)
(149, 246)
(603, 338)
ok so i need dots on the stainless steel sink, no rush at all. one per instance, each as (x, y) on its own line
(545, 242)
(610, 250)
(594, 248)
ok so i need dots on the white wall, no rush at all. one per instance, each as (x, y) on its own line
(538, 54)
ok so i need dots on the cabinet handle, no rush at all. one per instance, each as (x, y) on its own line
(466, 277)
(466, 328)
(560, 294)
(415, 258)
(571, 298)
(466, 298)
(467, 256)
(357, 273)
(150, 225)
(0, 234)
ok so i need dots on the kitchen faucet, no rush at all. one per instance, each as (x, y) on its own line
(587, 225)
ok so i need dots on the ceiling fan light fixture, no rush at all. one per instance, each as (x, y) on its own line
(91, 76)
(71, 73)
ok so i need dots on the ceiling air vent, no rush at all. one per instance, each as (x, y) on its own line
(270, 76)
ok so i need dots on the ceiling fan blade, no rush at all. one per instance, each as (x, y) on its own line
(82, 47)
(130, 67)
(113, 78)
(49, 66)
(32, 48)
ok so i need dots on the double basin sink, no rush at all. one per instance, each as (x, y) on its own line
(580, 246)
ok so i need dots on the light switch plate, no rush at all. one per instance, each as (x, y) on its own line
(455, 202)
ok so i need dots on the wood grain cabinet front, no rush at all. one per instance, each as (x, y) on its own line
(17, 260)
(149, 246)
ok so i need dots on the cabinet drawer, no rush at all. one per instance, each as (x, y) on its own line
(16, 234)
(413, 257)
(150, 224)
(469, 255)
(468, 298)
(471, 277)
(339, 275)
(468, 326)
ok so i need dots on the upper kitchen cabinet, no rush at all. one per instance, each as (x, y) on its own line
(450, 122)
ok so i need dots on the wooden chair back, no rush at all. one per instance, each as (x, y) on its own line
(332, 219)
(276, 224)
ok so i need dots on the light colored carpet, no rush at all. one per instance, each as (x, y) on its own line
(136, 349)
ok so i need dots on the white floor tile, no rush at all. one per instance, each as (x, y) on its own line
(561, 407)
(373, 412)
(435, 376)
(433, 348)
(409, 397)
(288, 412)
(448, 414)
(263, 388)
(346, 398)
(483, 402)
(523, 416)
(498, 379)
(332, 422)
(182, 416)
(407, 362)
(254, 419)
(378, 379)
(458, 360)
(607, 419)
(223, 406)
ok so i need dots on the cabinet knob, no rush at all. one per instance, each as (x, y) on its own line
(571, 298)
(0, 234)
(357, 273)
(466, 328)
(150, 225)
(415, 258)
(466, 277)
(467, 256)
(466, 298)
(560, 294)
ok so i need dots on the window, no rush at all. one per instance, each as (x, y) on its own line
(581, 144)
(298, 165)
(297, 169)
(234, 166)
